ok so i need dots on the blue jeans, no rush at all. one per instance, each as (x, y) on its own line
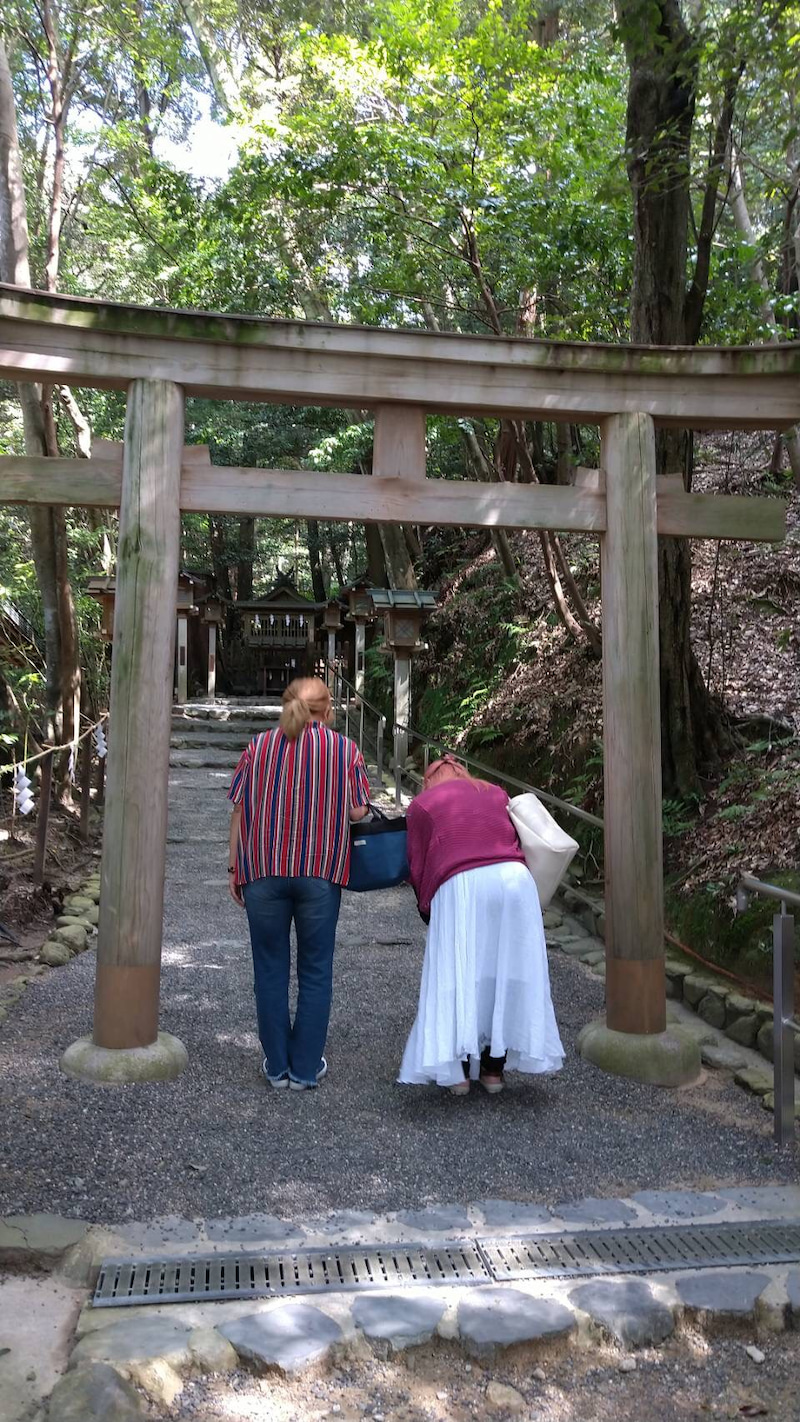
(293, 1048)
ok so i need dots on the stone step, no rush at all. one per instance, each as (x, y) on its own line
(204, 759)
(211, 725)
(231, 742)
(229, 711)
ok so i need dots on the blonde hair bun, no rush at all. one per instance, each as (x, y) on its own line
(305, 699)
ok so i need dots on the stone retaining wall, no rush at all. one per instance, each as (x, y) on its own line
(721, 1004)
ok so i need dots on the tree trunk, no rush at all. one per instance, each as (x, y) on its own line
(69, 675)
(661, 103)
(399, 568)
(216, 543)
(376, 563)
(314, 561)
(412, 542)
(333, 544)
(70, 641)
(244, 576)
(487, 472)
(15, 269)
(741, 215)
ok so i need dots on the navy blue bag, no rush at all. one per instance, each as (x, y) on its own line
(378, 857)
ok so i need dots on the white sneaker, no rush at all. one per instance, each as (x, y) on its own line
(304, 1085)
(279, 1085)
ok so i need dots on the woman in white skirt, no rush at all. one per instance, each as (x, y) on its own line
(484, 1000)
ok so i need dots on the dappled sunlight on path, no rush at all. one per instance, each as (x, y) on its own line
(217, 1141)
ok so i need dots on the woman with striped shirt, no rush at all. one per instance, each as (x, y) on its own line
(295, 792)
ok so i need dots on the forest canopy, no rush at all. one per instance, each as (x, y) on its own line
(578, 171)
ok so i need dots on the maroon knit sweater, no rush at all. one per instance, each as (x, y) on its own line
(454, 827)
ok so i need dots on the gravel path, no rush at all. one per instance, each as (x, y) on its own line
(218, 1142)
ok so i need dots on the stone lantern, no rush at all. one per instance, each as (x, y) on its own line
(403, 611)
(212, 617)
(361, 610)
(332, 623)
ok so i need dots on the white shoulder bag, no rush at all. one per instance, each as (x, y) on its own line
(548, 850)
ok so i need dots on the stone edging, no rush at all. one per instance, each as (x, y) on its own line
(157, 1347)
(75, 926)
(722, 1005)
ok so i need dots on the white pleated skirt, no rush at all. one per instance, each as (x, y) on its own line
(484, 980)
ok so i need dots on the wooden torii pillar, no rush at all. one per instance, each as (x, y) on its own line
(633, 1041)
(126, 1044)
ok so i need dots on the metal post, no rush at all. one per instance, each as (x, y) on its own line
(361, 725)
(402, 716)
(331, 676)
(183, 658)
(359, 659)
(782, 1033)
(347, 713)
(212, 661)
(379, 751)
(426, 757)
(398, 776)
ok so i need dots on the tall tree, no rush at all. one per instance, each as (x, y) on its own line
(663, 55)
(15, 269)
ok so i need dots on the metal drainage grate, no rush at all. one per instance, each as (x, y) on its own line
(312, 1271)
(641, 1251)
(567, 1255)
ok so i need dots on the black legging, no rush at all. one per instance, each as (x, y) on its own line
(490, 1066)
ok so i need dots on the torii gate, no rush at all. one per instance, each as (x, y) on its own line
(159, 356)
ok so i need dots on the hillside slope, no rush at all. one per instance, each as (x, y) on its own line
(503, 679)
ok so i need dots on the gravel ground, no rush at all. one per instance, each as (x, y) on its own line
(217, 1141)
(690, 1380)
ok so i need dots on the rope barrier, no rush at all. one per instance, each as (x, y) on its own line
(54, 750)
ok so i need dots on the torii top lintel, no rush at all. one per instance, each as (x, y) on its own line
(106, 345)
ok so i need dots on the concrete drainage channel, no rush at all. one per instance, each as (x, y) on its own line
(518, 1287)
(126, 1283)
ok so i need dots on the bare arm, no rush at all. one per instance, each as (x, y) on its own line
(233, 850)
(358, 812)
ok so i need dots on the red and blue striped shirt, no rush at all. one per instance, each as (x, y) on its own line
(295, 798)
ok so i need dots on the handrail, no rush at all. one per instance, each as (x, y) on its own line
(351, 687)
(480, 765)
(769, 891)
(783, 1032)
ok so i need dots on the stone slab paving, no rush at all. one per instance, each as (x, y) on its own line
(95, 1391)
(679, 1204)
(628, 1309)
(596, 1212)
(37, 1320)
(160, 1348)
(500, 1317)
(724, 1292)
(398, 1321)
(289, 1338)
(75, 1245)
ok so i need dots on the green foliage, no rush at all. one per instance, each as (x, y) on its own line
(707, 920)
(679, 815)
(407, 162)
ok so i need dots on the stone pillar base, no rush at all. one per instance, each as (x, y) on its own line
(163, 1060)
(670, 1058)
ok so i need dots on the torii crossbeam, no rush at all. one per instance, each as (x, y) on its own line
(160, 356)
